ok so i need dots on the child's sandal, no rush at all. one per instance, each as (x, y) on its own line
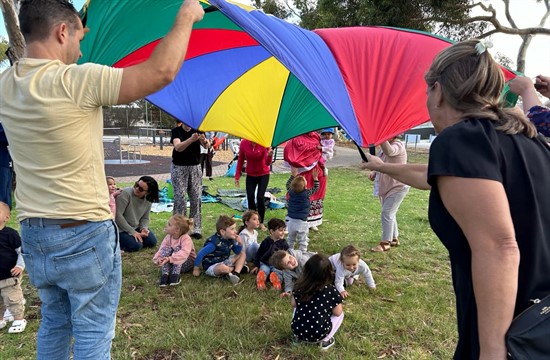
(18, 326)
(383, 246)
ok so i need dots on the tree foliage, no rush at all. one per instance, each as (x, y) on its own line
(453, 19)
(3, 49)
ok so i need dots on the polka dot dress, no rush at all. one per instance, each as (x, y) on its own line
(311, 321)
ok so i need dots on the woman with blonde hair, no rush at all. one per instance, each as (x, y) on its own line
(488, 203)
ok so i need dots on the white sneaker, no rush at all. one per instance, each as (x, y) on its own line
(314, 228)
(233, 279)
(17, 326)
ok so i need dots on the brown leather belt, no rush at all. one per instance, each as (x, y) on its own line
(62, 223)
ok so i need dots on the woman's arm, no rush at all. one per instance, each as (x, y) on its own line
(523, 86)
(122, 202)
(415, 175)
(480, 207)
(144, 221)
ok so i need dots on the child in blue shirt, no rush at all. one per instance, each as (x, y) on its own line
(215, 256)
(298, 206)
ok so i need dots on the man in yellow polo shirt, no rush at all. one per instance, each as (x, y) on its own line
(51, 112)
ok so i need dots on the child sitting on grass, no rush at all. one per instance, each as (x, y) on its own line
(318, 305)
(299, 204)
(249, 234)
(176, 254)
(274, 242)
(349, 266)
(291, 262)
(11, 270)
(215, 254)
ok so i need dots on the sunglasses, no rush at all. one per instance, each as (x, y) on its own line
(139, 188)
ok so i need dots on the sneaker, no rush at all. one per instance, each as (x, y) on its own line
(18, 326)
(245, 269)
(314, 228)
(275, 281)
(233, 279)
(163, 280)
(327, 344)
(174, 279)
(260, 280)
(196, 236)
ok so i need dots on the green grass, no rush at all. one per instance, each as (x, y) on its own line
(411, 315)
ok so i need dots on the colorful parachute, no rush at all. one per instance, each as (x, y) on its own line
(258, 77)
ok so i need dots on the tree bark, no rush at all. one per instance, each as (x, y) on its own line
(17, 43)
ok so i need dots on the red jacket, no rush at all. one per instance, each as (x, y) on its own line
(257, 160)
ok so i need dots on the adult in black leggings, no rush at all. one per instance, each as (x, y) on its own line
(258, 160)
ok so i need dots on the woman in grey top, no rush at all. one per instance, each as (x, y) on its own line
(133, 206)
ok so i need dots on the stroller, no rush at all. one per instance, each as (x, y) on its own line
(232, 166)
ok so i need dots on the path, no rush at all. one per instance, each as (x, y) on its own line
(343, 157)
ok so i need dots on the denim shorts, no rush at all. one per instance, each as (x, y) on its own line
(77, 271)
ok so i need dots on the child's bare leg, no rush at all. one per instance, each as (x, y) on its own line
(239, 261)
(222, 269)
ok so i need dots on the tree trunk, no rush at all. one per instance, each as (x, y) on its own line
(17, 43)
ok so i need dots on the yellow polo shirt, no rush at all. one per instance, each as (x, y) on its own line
(52, 116)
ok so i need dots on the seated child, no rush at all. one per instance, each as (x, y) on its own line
(249, 234)
(349, 266)
(215, 254)
(176, 254)
(318, 306)
(275, 241)
(11, 268)
(298, 206)
(291, 262)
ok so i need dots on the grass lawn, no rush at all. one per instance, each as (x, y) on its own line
(411, 315)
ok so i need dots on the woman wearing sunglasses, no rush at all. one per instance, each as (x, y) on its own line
(133, 206)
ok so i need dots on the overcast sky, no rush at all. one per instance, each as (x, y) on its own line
(526, 13)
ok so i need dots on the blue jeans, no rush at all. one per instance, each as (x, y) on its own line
(251, 250)
(130, 244)
(268, 269)
(77, 271)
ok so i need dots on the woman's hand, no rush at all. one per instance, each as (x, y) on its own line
(542, 84)
(137, 236)
(237, 184)
(374, 163)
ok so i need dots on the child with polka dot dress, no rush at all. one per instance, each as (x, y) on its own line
(318, 307)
